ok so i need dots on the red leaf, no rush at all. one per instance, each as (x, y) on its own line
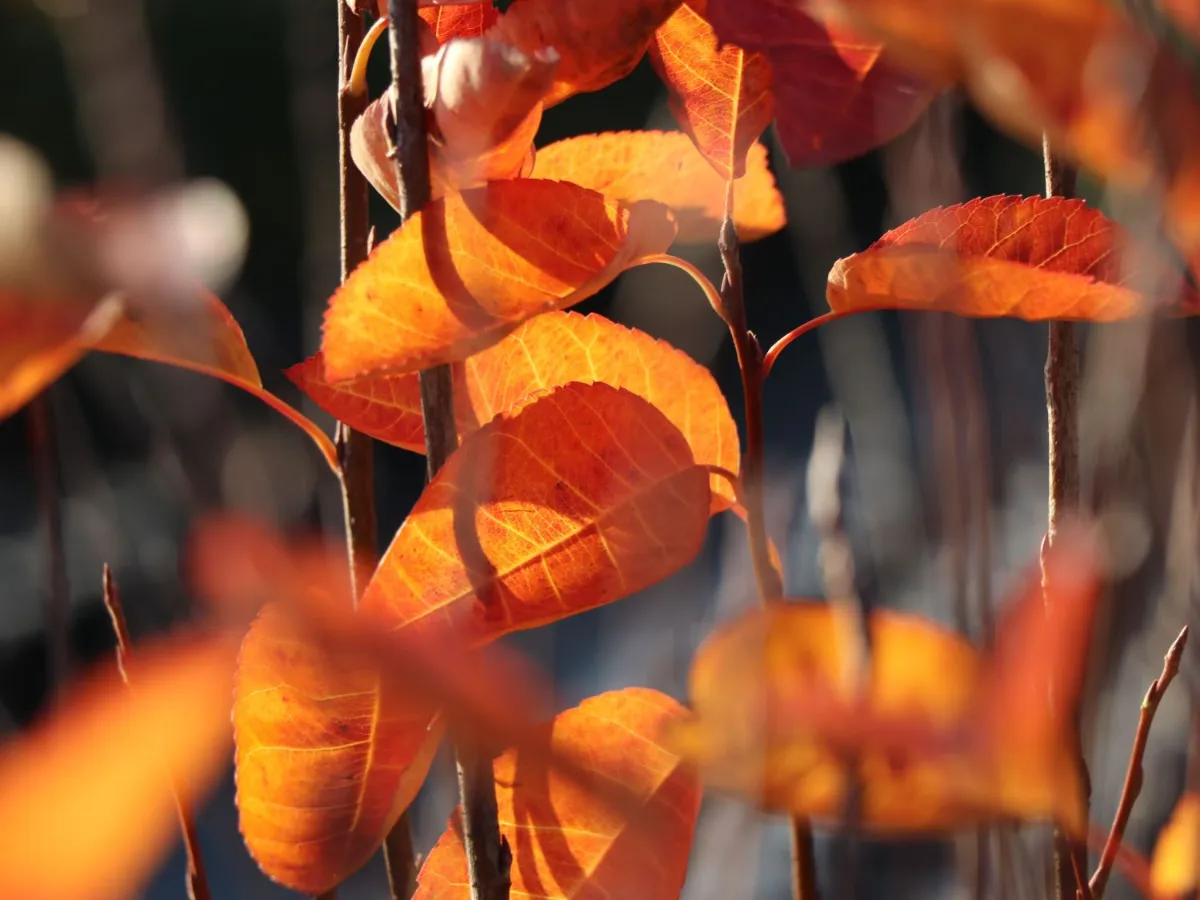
(462, 20)
(1029, 258)
(836, 96)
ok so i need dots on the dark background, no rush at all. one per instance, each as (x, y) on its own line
(249, 89)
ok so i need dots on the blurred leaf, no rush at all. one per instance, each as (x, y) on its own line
(598, 43)
(547, 351)
(467, 269)
(330, 751)
(1028, 258)
(573, 499)
(462, 20)
(89, 793)
(1175, 868)
(565, 844)
(721, 95)
(837, 95)
(943, 736)
(665, 166)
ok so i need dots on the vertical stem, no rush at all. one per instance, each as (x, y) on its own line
(1062, 413)
(355, 449)
(750, 362)
(488, 855)
(43, 447)
(197, 878)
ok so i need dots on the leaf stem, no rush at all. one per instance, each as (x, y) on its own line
(43, 448)
(798, 332)
(731, 306)
(488, 854)
(197, 878)
(1062, 414)
(1134, 775)
(355, 449)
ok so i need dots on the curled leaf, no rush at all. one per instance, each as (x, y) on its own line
(665, 166)
(566, 842)
(330, 751)
(598, 43)
(579, 497)
(467, 269)
(92, 788)
(721, 95)
(1029, 258)
(547, 351)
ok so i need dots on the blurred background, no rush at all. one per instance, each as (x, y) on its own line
(944, 487)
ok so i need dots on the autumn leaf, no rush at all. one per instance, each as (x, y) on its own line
(720, 95)
(465, 20)
(330, 752)
(90, 791)
(467, 269)
(1173, 870)
(665, 166)
(1028, 258)
(599, 43)
(547, 351)
(943, 735)
(578, 497)
(836, 95)
(566, 842)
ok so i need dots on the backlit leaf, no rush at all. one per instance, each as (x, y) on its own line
(1028, 258)
(467, 269)
(579, 497)
(599, 43)
(836, 95)
(944, 736)
(566, 843)
(89, 793)
(548, 351)
(721, 95)
(1175, 868)
(330, 752)
(465, 20)
(665, 166)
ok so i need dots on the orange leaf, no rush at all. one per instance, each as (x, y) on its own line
(721, 95)
(209, 341)
(665, 166)
(576, 498)
(547, 351)
(467, 269)
(1028, 258)
(1174, 870)
(40, 340)
(330, 752)
(944, 737)
(836, 95)
(599, 43)
(89, 793)
(462, 20)
(566, 843)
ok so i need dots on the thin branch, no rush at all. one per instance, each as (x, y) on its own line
(731, 306)
(355, 449)
(197, 879)
(488, 856)
(43, 447)
(1062, 414)
(1134, 775)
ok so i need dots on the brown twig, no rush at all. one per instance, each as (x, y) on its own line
(197, 879)
(751, 363)
(1062, 414)
(355, 449)
(43, 448)
(1134, 775)
(488, 856)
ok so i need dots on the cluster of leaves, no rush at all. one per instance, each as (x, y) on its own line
(593, 455)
